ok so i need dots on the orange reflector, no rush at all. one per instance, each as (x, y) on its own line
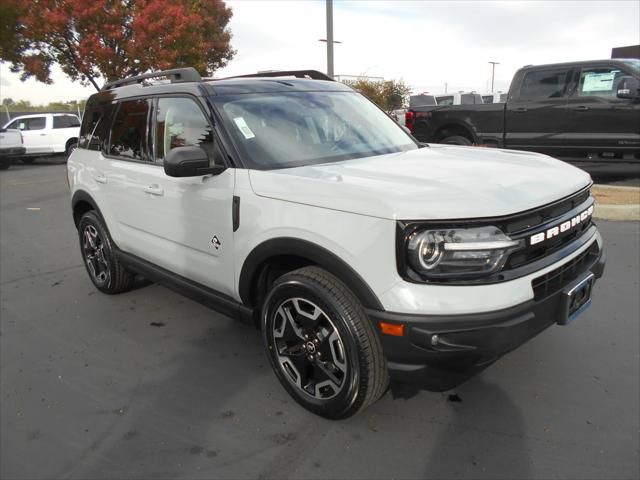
(392, 329)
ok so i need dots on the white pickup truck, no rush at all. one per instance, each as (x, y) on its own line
(10, 146)
(47, 133)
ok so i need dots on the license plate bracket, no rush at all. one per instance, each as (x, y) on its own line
(576, 298)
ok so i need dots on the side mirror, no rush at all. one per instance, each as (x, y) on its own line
(628, 87)
(189, 162)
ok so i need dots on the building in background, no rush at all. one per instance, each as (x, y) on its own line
(632, 51)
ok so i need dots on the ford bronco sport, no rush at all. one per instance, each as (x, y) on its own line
(291, 200)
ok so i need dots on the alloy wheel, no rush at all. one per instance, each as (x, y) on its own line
(309, 348)
(94, 253)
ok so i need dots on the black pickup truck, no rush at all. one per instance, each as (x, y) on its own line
(579, 112)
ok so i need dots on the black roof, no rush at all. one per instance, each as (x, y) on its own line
(609, 61)
(188, 80)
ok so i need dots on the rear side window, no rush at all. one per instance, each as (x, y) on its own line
(94, 131)
(544, 84)
(445, 100)
(129, 130)
(181, 123)
(599, 82)
(470, 99)
(65, 121)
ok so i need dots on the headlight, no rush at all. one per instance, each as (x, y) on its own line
(454, 253)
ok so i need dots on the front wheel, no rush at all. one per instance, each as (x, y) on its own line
(321, 344)
(28, 160)
(5, 163)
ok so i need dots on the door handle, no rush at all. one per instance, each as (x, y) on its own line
(100, 178)
(581, 108)
(43, 134)
(154, 189)
(520, 110)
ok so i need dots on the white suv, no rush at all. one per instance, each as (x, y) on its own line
(47, 134)
(361, 254)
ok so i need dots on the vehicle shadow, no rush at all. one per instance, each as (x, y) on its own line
(483, 436)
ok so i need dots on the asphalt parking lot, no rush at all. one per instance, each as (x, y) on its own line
(89, 388)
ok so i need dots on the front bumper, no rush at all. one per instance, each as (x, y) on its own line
(436, 348)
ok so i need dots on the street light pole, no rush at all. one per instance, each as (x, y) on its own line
(493, 72)
(330, 41)
(330, 38)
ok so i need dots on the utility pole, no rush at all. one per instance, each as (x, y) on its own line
(330, 41)
(493, 72)
(330, 38)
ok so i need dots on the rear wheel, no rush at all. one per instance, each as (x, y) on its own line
(105, 271)
(457, 140)
(321, 344)
(5, 163)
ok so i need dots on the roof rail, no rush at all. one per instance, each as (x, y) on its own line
(313, 74)
(188, 74)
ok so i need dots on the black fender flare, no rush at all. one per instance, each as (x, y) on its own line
(82, 196)
(310, 251)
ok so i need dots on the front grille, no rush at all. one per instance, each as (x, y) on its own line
(532, 253)
(527, 220)
(558, 278)
(525, 225)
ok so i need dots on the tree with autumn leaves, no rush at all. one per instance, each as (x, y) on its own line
(113, 39)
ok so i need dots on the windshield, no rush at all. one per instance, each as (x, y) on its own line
(306, 128)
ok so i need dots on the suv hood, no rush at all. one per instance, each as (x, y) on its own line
(437, 182)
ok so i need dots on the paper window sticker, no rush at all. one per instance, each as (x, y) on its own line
(244, 128)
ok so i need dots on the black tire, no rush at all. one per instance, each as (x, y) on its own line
(457, 140)
(348, 371)
(103, 267)
(5, 163)
(71, 147)
(28, 160)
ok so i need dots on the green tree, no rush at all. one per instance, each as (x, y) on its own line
(388, 95)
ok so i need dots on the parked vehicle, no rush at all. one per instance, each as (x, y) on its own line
(47, 133)
(361, 254)
(10, 146)
(579, 111)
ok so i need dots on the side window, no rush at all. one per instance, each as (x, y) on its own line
(94, 131)
(445, 100)
(544, 84)
(65, 121)
(128, 133)
(599, 82)
(59, 121)
(181, 123)
(35, 123)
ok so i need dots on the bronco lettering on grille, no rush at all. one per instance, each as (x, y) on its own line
(561, 228)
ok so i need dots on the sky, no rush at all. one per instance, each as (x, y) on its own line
(427, 44)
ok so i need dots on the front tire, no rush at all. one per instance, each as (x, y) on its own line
(103, 267)
(321, 344)
(5, 163)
